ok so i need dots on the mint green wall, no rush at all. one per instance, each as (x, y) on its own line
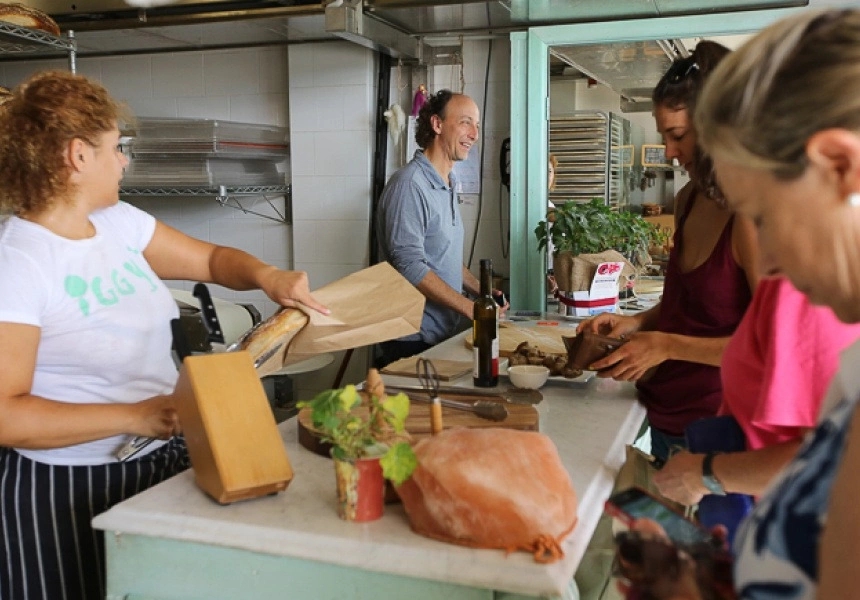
(529, 114)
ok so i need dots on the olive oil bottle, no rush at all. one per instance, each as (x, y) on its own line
(485, 331)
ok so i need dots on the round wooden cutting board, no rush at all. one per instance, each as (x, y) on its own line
(520, 416)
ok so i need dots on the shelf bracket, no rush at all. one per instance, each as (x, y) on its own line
(225, 199)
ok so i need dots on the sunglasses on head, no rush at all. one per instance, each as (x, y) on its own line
(681, 69)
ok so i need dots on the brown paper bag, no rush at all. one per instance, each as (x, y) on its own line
(370, 306)
(575, 273)
(638, 470)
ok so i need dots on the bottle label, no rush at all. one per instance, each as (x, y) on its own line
(494, 361)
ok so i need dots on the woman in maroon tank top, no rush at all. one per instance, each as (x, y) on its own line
(674, 349)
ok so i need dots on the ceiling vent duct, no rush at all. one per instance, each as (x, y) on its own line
(346, 19)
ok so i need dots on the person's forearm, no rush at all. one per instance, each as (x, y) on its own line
(37, 423)
(237, 269)
(471, 283)
(648, 319)
(706, 351)
(751, 472)
(434, 288)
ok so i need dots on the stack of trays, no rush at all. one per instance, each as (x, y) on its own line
(206, 152)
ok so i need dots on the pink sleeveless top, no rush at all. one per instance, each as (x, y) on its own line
(708, 301)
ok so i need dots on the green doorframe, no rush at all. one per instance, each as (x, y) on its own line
(530, 114)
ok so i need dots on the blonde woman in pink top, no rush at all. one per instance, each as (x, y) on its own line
(775, 370)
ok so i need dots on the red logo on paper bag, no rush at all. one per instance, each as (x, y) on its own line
(608, 268)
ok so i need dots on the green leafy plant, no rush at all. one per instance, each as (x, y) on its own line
(592, 227)
(661, 240)
(363, 432)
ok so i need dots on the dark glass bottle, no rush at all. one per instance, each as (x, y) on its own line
(485, 331)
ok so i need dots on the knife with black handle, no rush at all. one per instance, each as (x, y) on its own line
(207, 309)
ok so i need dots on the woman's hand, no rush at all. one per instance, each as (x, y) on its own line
(680, 479)
(288, 288)
(157, 417)
(610, 324)
(630, 362)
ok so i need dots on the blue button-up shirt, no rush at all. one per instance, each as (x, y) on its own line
(420, 229)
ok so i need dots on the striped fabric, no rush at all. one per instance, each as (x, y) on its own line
(49, 549)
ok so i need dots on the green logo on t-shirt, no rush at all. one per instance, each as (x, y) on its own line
(105, 293)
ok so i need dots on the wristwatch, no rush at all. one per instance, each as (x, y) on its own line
(709, 479)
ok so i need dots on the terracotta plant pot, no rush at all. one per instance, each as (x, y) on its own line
(360, 489)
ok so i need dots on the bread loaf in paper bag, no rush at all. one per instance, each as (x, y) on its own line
(491, 488)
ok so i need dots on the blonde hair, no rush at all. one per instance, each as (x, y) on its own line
(554, 162)
(43, 115)
(796, 77)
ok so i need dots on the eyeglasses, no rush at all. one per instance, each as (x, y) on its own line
(681, 69)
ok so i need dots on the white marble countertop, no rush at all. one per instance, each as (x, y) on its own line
(589, 423)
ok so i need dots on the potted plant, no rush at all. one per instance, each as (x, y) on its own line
(576, 229)
(593, 227)
(366, 431)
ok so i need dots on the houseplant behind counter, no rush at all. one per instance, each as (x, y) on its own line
(368, 443)
(592, 228)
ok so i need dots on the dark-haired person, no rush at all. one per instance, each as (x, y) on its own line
(710, 276)
(85, 318)
(419, 227)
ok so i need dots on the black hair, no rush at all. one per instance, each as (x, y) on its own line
(679, 88)
(435, 105)
(680, 85)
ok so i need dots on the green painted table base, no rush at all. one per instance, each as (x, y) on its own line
(191, 571)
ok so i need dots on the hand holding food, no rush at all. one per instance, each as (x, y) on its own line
(642, 351)
(611, 324)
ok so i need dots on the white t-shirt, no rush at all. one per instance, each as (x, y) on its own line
(104, 317)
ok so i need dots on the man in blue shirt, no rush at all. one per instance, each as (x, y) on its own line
(419, 227)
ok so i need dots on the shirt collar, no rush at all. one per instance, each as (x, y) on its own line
(432, 174)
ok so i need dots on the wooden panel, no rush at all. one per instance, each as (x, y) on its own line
(233, 441)
(546, 338)
(447, 369)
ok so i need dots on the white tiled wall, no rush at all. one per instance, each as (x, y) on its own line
(332, 94)
(332, 97)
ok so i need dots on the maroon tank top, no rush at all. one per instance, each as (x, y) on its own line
(708, 301)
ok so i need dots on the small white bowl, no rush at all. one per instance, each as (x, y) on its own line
(530, 377)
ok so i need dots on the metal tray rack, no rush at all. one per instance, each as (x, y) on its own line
(22, 40)
(224, 160)
(587, 145)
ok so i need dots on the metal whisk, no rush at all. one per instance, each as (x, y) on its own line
(429, 379)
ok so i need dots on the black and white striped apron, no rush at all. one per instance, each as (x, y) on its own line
(49, 549)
